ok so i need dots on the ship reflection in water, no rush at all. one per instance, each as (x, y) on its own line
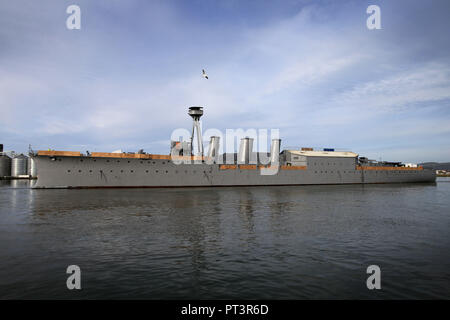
(227, 243)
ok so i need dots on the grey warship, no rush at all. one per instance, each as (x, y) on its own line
(181, 168)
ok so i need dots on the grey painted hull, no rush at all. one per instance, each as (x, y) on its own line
(91, 172)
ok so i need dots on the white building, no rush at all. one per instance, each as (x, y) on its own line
(411, 165)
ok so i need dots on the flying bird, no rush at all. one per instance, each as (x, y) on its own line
(204, 75)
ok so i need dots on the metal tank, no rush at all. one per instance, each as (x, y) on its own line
(275, 151)
(19, 165)
(245, 150)
(32, 171)
(5, 165)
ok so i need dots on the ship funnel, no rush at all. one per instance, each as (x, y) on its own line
(196, 113)
(245, 150)
(213, 151)
(275, 151)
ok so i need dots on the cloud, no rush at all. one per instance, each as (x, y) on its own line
(404, 92)
(308, 72)
(311, 69)
(424, 83)
(17, 90)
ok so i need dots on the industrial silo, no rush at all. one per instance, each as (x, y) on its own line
(5, 165)
(32, 172)
(19, 165)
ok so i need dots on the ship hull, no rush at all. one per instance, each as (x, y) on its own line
(100, 172)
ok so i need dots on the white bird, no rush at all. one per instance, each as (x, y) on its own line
(204, 75)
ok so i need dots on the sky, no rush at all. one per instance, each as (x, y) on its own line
(310, 68)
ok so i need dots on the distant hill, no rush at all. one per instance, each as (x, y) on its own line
(436, 165)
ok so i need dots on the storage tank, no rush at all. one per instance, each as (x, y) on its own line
(32, 172)
(275, 151)
(5, 165)
(19, 165)
(245, 150)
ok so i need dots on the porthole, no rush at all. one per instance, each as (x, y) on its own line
(121, 171)
(146, 171)
(110, 171)
(68, 170)
(131, 171)
(79, 170)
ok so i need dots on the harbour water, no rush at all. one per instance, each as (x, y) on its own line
(307, 242)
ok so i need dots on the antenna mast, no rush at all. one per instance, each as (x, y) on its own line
(196, 113)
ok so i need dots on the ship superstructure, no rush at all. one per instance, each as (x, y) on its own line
(183, 168)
